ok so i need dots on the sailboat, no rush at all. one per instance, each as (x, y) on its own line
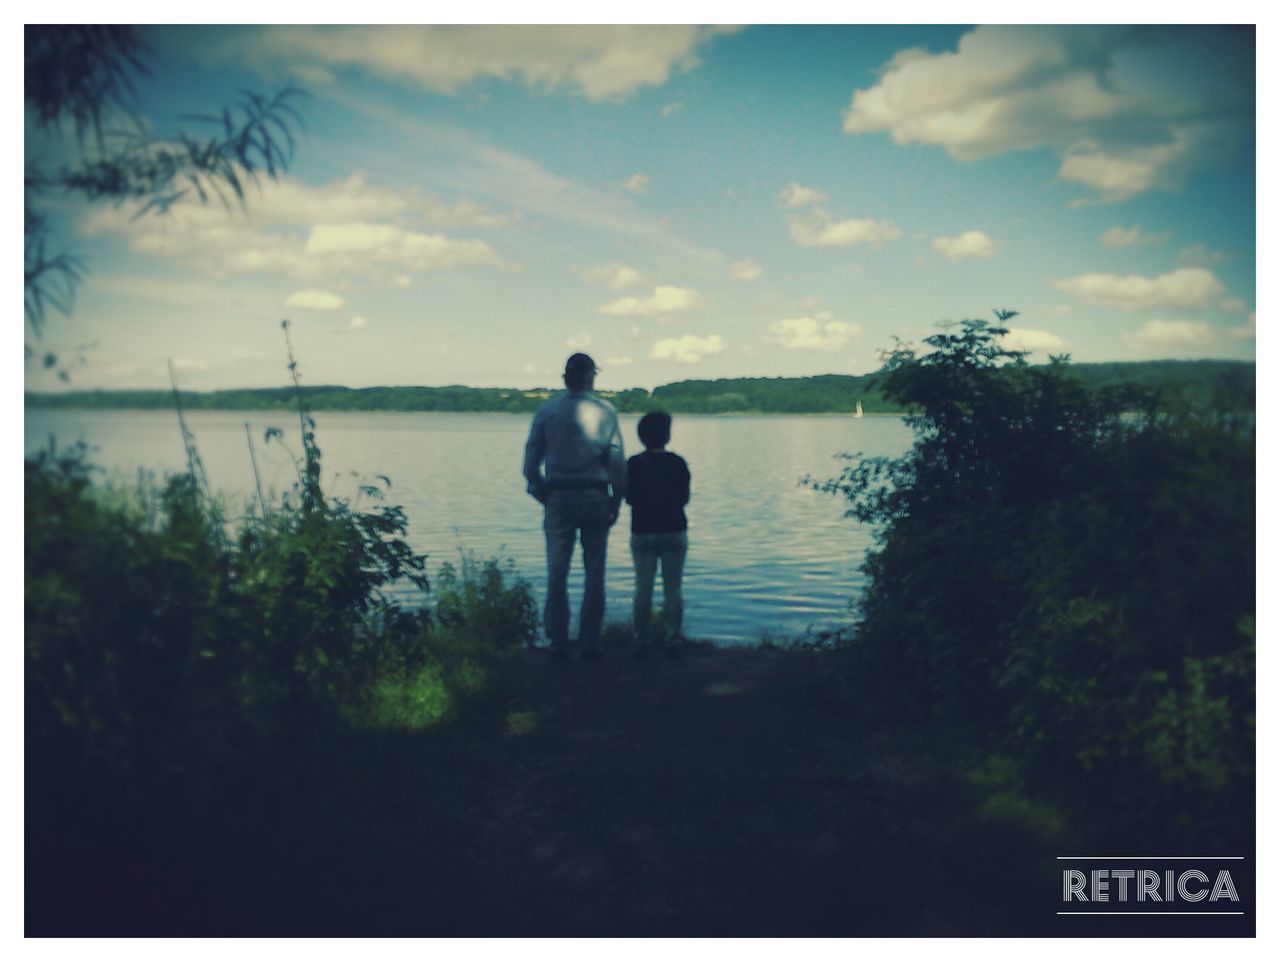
(857, 411)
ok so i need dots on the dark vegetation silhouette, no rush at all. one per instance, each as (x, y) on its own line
(1070, 573)
(155, 625)
(174, 656)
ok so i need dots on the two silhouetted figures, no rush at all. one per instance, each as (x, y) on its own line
(575, 466)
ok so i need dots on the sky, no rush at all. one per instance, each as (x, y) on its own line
(469, 205)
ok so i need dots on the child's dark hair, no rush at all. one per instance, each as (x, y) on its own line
(654, 429)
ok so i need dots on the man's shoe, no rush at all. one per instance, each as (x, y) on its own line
(592, 654)
(559, 654)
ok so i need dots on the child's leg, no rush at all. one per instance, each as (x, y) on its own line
(674, 550)
(646, 564)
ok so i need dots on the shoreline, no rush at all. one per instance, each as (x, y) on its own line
(318, 411)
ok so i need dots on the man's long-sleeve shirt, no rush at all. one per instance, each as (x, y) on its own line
(575, 440)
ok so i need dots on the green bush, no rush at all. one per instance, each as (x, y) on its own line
(158, 635)
(1073, 571)
(130, 644)
(154, 636)
(481, 610)
(480, 605)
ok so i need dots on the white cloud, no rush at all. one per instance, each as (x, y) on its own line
(617, 361)
(1133, 236)
(190, 364)
(636, 183)
(291, 203)
(603, 62)
(1129, 109)
(1188, 288)
(687, 349)
(578, 342)
(663, 300)
(314, 300)
(374, 244)
(1247, 331)
(972, 244)
(1028, 339)
(346, 228)
(818, 333)
(613, 276)
(358, 323)
(671, 109)
(793, 195)
(1172, 334)
(747, 270)
(818, 230)
(1116, 176)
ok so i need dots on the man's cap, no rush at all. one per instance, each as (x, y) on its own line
(580, 363)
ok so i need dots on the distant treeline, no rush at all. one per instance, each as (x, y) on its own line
(1192, 382)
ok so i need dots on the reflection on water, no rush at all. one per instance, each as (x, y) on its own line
(765, 554)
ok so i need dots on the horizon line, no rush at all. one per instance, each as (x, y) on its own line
(55, 390)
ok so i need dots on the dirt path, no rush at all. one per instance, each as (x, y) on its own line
(724, 794)
(728, 793)
(712, 795)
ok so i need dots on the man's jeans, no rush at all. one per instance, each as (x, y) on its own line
(647, 550)
(569, 514)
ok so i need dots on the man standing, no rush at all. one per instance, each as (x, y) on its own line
(576, 435)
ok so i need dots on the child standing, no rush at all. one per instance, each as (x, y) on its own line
(658, 490)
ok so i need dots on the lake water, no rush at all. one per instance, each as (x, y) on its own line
(767, 556)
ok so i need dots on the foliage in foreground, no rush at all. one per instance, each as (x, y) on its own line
(1073, 571)
(159, 638)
